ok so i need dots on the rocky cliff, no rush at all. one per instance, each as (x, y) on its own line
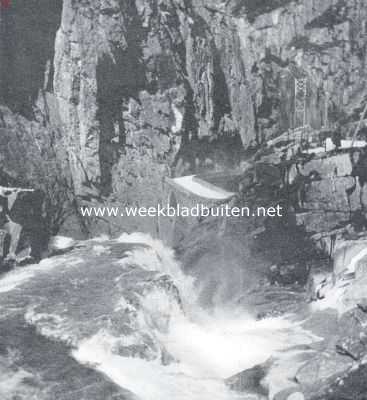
(144, 89)
(100, 100)
(139, 90)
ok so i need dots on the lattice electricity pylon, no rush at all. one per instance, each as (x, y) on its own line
(300, 104)
(300, 98)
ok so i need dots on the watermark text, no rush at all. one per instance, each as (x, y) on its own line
(199, 211)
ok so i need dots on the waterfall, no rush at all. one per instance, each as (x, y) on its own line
(125, 308)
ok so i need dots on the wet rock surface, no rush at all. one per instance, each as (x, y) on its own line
(163, 82)
(114, 96)
(23, 236)
(250, 380)
(38, 337)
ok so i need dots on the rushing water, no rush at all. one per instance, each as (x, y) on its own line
(119, 319)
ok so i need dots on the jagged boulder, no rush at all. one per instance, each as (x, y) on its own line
(333, 194)
(322, 221)
(361, 268)
(287, 274)
(250, 380)
(338, 165)
(348, 255)
(355, 293)
(22, 226)
(353, 342)
(3, 237)
(322, 367)
(318, 283)
(289, 394)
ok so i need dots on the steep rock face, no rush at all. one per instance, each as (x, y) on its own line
(320, 40)
(144, 89)
(27, 47)
(32, 156)
(144, 79)
(114, 108)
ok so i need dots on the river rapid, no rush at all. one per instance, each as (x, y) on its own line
(118, 319)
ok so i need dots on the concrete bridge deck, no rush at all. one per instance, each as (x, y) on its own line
(189, 191)
(198, 188)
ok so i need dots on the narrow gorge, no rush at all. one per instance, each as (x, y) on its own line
(145, 103)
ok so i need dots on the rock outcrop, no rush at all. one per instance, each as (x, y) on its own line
(100, 100)
(23, 232)
(144, 89)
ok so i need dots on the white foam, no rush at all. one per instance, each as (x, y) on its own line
(99, 249)
(11, 382)
(209, 350)
(157, 257)
(18, 276)
(99, 239)
(219, 347)
(207, 347)
(149, 380)
(61, 243)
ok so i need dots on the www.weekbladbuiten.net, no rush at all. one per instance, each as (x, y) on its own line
(199, 210)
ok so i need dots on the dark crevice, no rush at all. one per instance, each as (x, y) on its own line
(190, 124)
(255, 8)
(27, 39)
(304, 42)
(334, 15)
(221, 99)
(207, 154)
(119, 78)
(272, 58)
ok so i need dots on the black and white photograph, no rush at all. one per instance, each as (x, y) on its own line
(183, 212)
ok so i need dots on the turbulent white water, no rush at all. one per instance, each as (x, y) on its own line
(209, 347)
(204, 347)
